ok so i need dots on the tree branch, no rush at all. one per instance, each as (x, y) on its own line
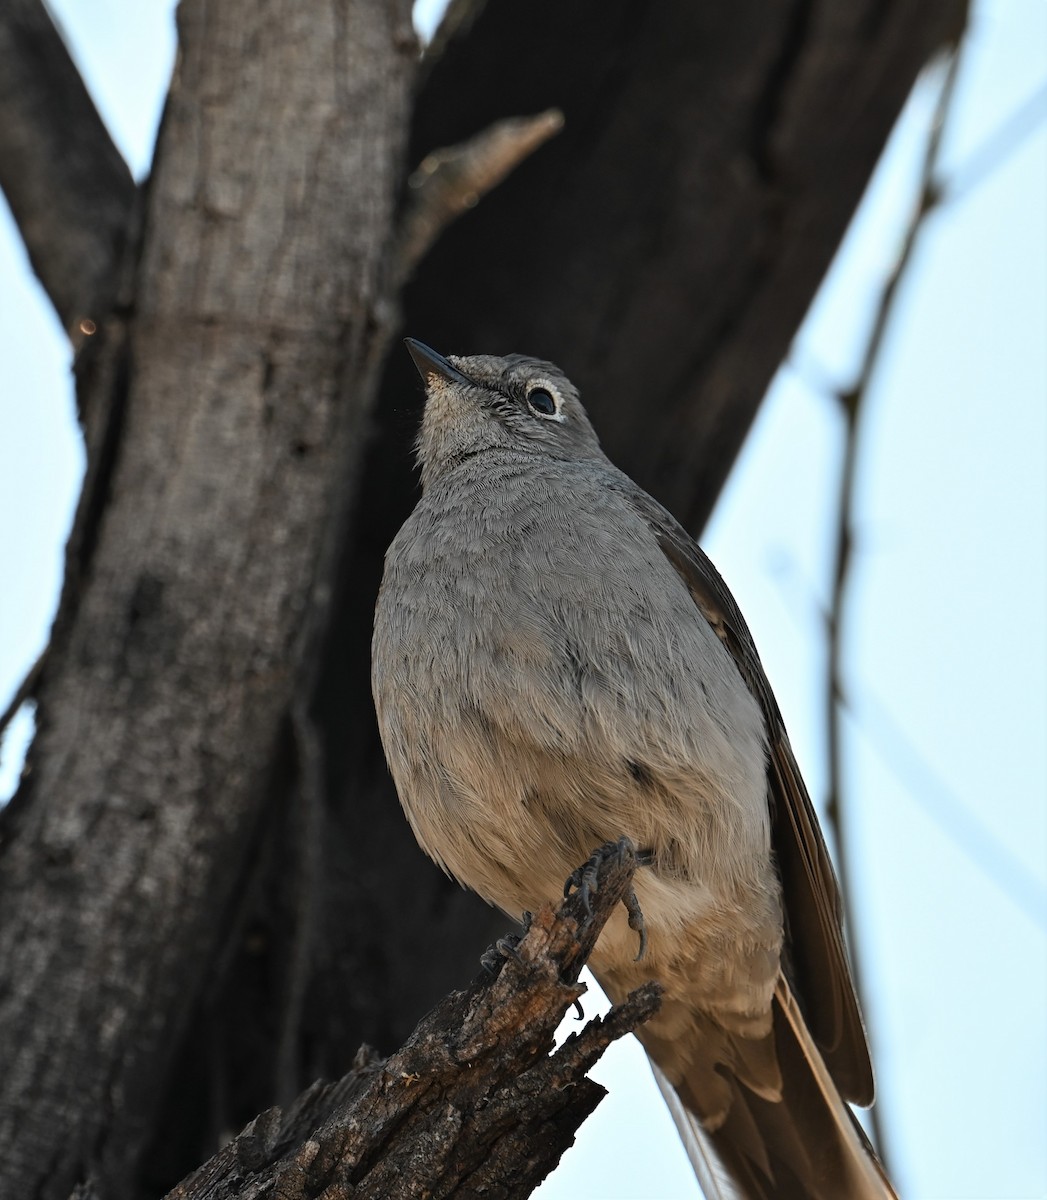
(852, 404)
(449, 182)
(70, 191)
(474, 1103)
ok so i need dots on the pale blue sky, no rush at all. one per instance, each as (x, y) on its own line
(946, 643)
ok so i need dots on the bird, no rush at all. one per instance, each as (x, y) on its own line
(556, 664)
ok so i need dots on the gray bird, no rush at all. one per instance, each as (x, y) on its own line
(556, 664)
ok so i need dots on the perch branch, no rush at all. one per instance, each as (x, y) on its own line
(474, 1103)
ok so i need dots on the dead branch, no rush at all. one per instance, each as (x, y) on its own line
(449, 182)
(473, 1103)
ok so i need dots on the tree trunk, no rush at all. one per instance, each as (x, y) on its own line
(208, 895)
(247, 366)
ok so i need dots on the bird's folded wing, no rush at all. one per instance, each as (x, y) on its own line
(815, 958)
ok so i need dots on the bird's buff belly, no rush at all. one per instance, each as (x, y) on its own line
(710, 901)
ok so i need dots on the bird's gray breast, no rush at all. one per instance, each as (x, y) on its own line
(544, 683)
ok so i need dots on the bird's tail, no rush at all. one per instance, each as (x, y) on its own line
(806, 1146)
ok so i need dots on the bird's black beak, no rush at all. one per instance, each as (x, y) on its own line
(429, 363)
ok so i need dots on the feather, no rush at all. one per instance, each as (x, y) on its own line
(712, 1175)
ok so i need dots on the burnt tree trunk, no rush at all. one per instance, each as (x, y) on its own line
(208, 895)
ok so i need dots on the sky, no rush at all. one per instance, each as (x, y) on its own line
(945, 754)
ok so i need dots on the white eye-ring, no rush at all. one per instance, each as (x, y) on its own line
(545, 403)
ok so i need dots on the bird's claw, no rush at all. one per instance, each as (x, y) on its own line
(507, 946)
(636, 921)
(493, 958)
(584, 880)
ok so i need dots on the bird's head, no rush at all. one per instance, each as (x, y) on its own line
(480, 403)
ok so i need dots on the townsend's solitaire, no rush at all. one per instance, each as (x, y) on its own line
(556, 665)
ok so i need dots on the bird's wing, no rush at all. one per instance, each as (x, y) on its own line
(815, 959)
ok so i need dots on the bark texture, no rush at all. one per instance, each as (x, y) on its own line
(164, 738)
(476, 1103)
(208, 895)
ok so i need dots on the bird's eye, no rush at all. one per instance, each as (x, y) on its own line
(541, 402)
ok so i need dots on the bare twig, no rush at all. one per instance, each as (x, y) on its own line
(451, 181)
(70, 191)
(852, 402)
(473, 1104)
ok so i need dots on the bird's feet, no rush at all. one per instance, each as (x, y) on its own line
(494, 956)
(584, 881)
